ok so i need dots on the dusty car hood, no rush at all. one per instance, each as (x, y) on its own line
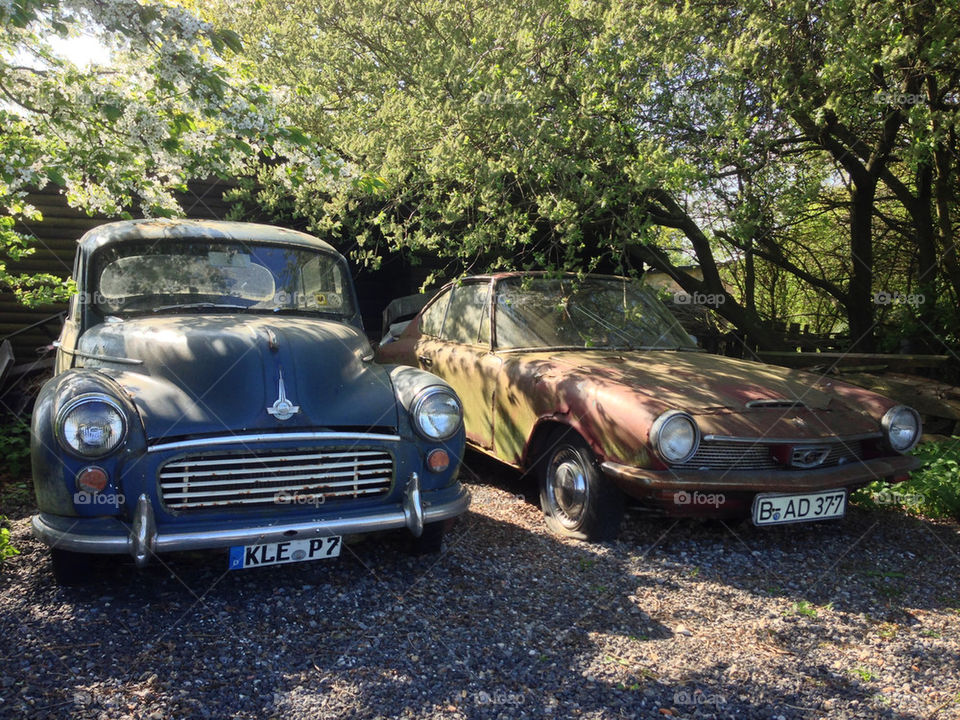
(625, 392)
(697, 382)
(211, 374)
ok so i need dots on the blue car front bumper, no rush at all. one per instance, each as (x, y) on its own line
(141, 538)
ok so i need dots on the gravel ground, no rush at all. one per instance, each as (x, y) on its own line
(851, 619)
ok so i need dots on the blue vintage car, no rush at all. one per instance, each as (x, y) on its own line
(214, 389)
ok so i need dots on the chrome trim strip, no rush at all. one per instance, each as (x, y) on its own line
(293, 497)
(266, 492)
(311, 479)
(776, 404)
(104, 358)
(245, 460)
(269, 437)
(288, 471)
(791, 441)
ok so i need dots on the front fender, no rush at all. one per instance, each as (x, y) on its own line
(408, 382)
(55, 468)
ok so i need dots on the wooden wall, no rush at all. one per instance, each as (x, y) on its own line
(57, 236)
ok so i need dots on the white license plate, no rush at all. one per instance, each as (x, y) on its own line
(289, 551)
(779, 509)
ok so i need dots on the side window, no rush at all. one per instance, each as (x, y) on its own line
(432, 319)
(485, 319)
(512, 330)
(464, 316)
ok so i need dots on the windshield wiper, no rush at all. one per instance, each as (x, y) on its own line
(282, 310)
(200, 306)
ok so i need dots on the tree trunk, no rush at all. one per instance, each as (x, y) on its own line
(943, 189)
(860, 305)
(926, 259)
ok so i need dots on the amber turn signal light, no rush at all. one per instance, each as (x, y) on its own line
(92, 479)
(438, 460)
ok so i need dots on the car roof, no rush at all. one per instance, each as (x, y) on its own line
(165, 228)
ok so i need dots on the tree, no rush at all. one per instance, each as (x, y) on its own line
(572, 134)
(175, 103)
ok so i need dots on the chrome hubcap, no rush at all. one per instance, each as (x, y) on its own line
(567, 488)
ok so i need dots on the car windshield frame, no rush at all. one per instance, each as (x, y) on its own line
(569, 313)
(137, 277)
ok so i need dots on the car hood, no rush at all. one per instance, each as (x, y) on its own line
(213, 374)
(729, 397)
(696, 382)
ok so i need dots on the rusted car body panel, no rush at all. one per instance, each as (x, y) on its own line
(749, 414)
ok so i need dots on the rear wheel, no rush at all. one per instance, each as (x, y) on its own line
(577, 500)
(71, 568)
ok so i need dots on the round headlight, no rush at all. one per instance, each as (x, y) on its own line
(901, 426)
(675, 436)
(436, 413)
(91, 425)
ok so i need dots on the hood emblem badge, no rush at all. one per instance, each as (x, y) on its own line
(283, 409)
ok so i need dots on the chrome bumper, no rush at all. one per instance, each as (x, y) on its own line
(641, 481)
(143, 539)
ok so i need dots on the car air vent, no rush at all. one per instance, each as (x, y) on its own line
(776, 403)
(720, 455)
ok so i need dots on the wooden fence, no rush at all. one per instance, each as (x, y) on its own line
(31, 330)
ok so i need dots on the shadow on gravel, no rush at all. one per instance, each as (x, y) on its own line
(507, 622)
(497, 622)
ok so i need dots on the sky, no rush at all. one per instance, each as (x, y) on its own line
(82, 50)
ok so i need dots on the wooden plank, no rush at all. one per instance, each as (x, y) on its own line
(926, 396)
(840, 359)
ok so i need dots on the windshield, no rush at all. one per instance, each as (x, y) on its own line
(183, 274)
(595, 312)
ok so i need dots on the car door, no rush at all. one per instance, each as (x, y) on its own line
(457, 348)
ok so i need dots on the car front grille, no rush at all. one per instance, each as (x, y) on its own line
(726, 455)
(274, 477)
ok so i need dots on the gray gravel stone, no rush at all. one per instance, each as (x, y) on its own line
(712, 620)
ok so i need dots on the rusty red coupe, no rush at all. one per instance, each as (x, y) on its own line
(592, 383)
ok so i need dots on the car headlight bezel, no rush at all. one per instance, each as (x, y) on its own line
(888, 422)
(114, 443)
(420, 404)
(661, 428)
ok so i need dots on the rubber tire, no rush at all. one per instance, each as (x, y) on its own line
(602, 513)
(431, 541)
(71, 568)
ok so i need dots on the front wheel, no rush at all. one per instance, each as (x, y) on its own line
(577, 500)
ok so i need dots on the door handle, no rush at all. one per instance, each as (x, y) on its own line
(425, 360)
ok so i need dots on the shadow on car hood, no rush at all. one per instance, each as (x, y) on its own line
(210, 374)
(698, 382)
